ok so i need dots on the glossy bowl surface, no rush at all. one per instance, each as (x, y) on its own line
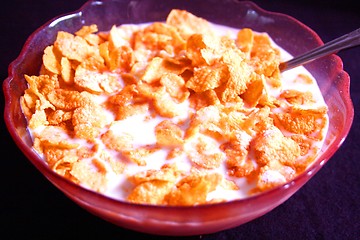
(286, 31)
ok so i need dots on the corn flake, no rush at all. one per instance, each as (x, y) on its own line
(193, 189)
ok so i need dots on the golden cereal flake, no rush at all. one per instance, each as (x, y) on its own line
(97, 82)
(175, 86)
(64, 166)
(88, 121)
(88, 150)
(56, 137)
(104, 52)
(257, 121)
(138, 155)
(152, 186)
(51, 60)
(117, 142)
(58, 116)
(204, 120)
(207, 78)
(187, 23)
(124, 111)
(304, 79)
(294, 96)
(86, 30)
(168, 134)
(256, 92)
(204, 152)
(159, 67)
(265, 59)
(272, 146)
(73, 47)
(67, 71)
(41, 86)
(148, 44)
(116, 165)
(125, 96)
(204, 49)
(120, 36)
(89, 175)
(304, 121)
(154, 70)
(203, 99)
(67, 100)
(305, 143)
(163, 103)
(273, 175)
(59, 159)
(38, 119)
(231, 120)
(89, 34)
(160, 37)
(27, 103)
(238, 162)
(125, 103)
(245, 40)
(239, 75)
(121, 59)
(167, 173)
(193, 189)
(150, 192)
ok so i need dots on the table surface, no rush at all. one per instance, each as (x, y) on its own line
(327, 207)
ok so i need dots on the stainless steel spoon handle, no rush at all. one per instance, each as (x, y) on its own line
(349, 40)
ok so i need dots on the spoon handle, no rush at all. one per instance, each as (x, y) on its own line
(349, 40)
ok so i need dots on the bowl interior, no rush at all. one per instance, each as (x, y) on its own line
(333, 82)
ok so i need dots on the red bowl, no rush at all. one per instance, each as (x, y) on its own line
(287, 32)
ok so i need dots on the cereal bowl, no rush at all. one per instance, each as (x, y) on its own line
(181, 220)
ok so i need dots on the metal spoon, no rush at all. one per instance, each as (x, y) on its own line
(349, 40)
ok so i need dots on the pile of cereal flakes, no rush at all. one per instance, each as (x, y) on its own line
(205, 100)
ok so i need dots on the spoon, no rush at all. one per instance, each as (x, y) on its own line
(349, 40)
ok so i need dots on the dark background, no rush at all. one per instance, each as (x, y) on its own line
(327, 207)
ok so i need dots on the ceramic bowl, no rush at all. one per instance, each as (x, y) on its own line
(287, 32)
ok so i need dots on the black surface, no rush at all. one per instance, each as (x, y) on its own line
(327, 207)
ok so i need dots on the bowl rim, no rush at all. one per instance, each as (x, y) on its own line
(42, 165)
